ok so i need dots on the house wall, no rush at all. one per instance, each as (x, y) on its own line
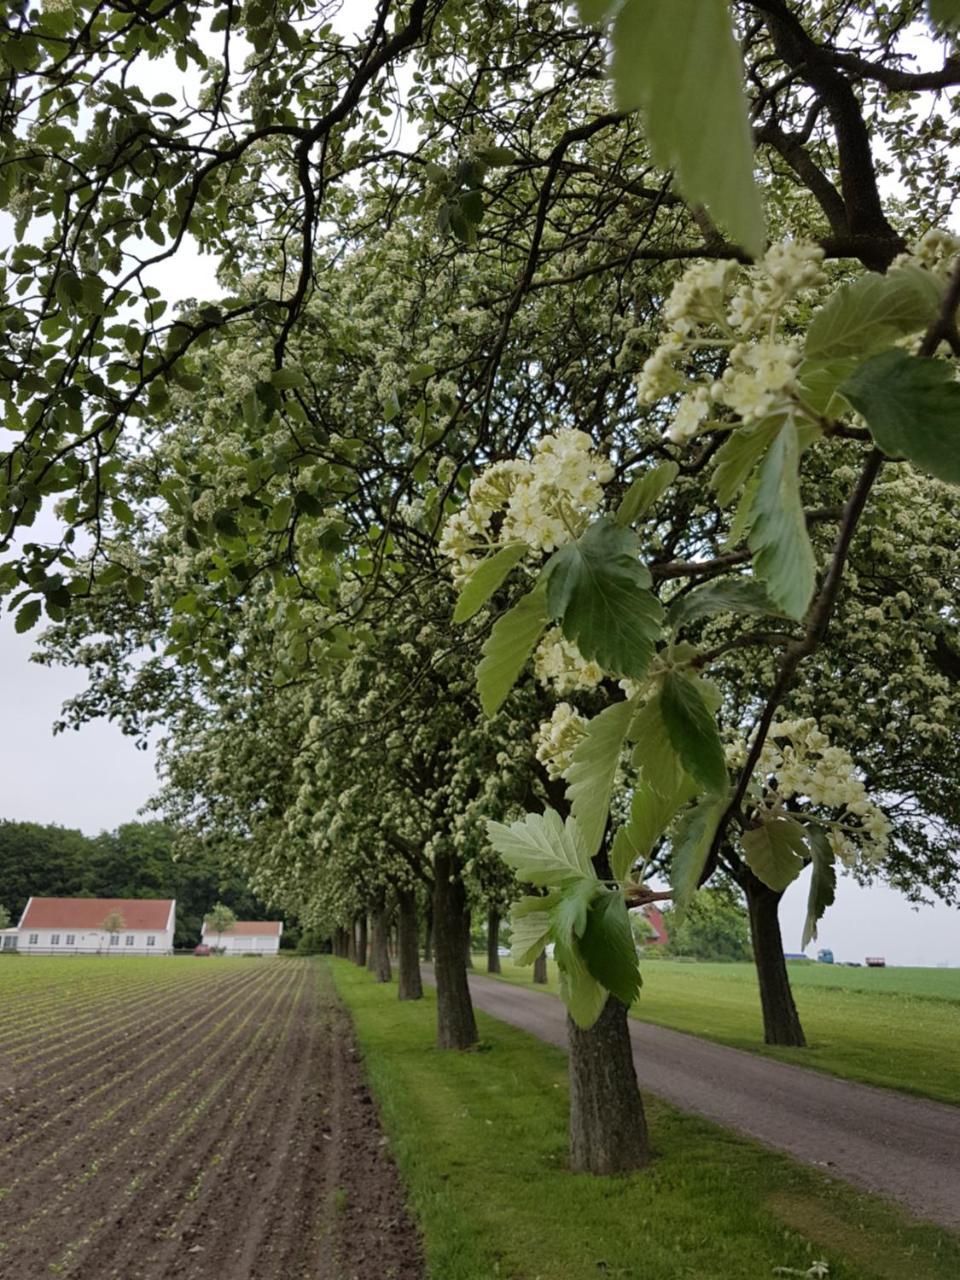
(95, 942)
(245, 945)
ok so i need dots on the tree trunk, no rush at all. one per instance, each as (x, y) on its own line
(428, 934)
(408, 933)
(456, 1026)
(781, 1022)
(467, 925)
(608, 1129)
(371, 949)
(540, 968)
(381, 954)
(493, 940)
(352, 940)
(362, 941)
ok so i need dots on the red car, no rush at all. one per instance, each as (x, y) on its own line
(201, 950)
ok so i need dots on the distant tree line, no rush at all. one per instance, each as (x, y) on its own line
(134, 861)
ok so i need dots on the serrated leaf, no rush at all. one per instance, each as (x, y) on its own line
(693, 732)
(583, 995)
(541, 848)
(739, 454)
(599, 592)
(608, 947)
(529, 932)
(507, 648)
(650, 815)
(654, 755)
(912, 406)
(645, 492)
(823, 880)
(569, 914)
(819, 384)
(872, 310)
(679, 63)
(782, 554)
(737, 595)
(593, 768)
(691, 848)
(485, 579)
(27, 616)
(775, 852)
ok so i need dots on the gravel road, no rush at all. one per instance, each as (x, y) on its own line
(889, 1143)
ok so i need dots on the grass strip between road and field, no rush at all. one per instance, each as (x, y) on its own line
(897, 1028)
(481, 1141)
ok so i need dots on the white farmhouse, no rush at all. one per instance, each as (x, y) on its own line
(246, 937)
(75, 926)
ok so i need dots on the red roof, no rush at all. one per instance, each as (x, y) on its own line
(249, 929)
(90, 913)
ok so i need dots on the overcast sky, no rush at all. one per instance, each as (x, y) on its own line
(96, 779)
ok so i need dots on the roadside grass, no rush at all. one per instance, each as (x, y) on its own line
(899, 1028)
(481, 1141)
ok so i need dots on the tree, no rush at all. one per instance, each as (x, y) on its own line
(219, 919)
(4, 917)
(714, 927)
(112, 926)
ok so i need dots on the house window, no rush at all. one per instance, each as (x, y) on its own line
(33, 939)
(54, 939)
(129, 939)
(151, 940)
(71, 939)
(114, 939)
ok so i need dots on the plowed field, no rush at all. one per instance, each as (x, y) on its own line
(182, 1117)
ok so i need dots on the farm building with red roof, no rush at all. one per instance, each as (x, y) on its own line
(245, 937)
(97, 926)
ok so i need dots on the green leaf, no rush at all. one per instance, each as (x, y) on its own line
(691, 847)
(593, 12)
(693, 732)
(737, 595)
(679, 63)
(541, 848)
(507, 648)
(569, 915)
(739, 454)
(599, 591)
(650, 815)
(944, 14)
(593, 768)
(912, 407)
(654, 755)
(868, 313)
(529, 931)
(27, 616)
(485, 579)
(645, 492)
(608, 947)
(775, 852)
(583, 995)
(782, 554)
(823, 880)
(285, 378)
(819, 382)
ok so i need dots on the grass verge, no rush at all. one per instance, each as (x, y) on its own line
(480, 1139)
(896, 1028)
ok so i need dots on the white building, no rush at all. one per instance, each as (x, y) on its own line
(75, 926)
(246, 937)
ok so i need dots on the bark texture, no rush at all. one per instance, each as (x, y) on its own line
(540, 968)
(361, 927)
(428, 934)
(608, 1128)
(381, 953)
(493, 941)
(410, 986)
(781, 1022)
(467, 926)
(456, 1025)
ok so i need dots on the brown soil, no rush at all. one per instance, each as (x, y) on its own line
(249, 1147)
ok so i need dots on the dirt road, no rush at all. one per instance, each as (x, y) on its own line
(905, 1148)
(223, 1128)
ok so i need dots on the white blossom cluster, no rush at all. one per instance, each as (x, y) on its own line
(559, 665)
(936, 251)
(557, 738)
(718, 307)
(544, 502)
(798, 761)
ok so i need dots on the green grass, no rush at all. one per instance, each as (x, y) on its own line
(480, 1139)
(899, 1028)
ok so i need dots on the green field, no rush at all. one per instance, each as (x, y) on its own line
(899, 1028)
(481, 1142)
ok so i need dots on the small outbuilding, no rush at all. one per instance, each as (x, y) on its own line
(97, 926)
(245, 938)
